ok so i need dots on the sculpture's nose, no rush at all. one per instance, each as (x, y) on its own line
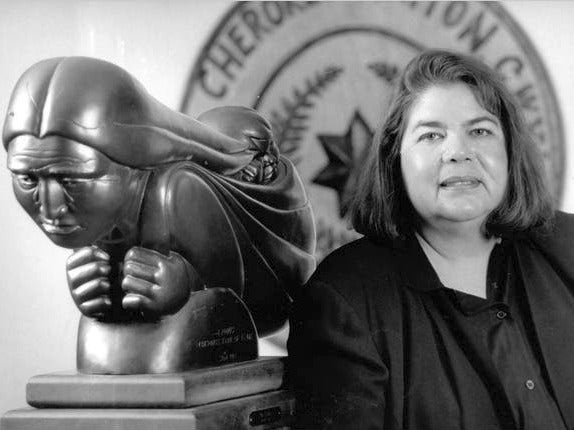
(52, 199)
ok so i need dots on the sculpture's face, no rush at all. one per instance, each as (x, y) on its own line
(73, 192)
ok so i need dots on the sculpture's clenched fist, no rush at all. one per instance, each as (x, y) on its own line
(152, 284)
(155, 284)
(88, 271)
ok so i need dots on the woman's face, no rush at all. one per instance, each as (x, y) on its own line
(453, 157)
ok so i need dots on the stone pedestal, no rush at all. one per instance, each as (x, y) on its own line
(237, 396)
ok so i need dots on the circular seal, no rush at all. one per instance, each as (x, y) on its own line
(323, 73)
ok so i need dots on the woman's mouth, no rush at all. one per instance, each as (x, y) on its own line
(457, 182)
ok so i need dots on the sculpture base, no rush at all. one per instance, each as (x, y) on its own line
(262, 411)
(173, 390)
(236, 396)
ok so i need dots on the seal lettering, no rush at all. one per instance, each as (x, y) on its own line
(473, 31)
(226, 57)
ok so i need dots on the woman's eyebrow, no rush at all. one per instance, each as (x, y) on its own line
(436, 124)
(476, 120)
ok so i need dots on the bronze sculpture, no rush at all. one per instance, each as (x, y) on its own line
(188, 235)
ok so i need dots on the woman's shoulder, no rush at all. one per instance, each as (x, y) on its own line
(359, 268)
(357, 258)
(556, 241)
(563, 224)
(558, 233)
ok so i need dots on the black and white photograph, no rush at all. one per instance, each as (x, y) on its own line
(287, 215)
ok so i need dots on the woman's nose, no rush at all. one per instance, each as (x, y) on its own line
(457, 149)
(52, 199)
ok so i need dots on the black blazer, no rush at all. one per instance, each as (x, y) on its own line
(364, 353)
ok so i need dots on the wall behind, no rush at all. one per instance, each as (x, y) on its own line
(157, 42)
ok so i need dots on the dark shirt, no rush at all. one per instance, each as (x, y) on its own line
(377, 342)
(500, 339)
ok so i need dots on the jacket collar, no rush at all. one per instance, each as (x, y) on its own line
(416, 271)
(418, 274)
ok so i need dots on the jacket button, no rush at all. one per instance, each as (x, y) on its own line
(501, 315)
(530, 384)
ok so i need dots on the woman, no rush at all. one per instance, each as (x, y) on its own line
(455, 310)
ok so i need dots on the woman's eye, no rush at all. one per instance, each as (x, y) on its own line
(480, 132)
(430, 136)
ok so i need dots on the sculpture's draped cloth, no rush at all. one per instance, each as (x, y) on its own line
(255, 239)
(101, 105)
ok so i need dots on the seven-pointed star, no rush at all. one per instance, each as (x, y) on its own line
(343, 153)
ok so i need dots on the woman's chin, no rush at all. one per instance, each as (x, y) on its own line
(468, 214)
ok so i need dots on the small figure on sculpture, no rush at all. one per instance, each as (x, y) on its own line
(181, 228)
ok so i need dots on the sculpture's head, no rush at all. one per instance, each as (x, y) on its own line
(73, 192)
(80, 131)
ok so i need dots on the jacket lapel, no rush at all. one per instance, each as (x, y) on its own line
(551, 304)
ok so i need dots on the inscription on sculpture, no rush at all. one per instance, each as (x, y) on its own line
(224, 337)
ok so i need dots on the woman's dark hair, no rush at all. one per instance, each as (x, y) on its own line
(380, 207)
